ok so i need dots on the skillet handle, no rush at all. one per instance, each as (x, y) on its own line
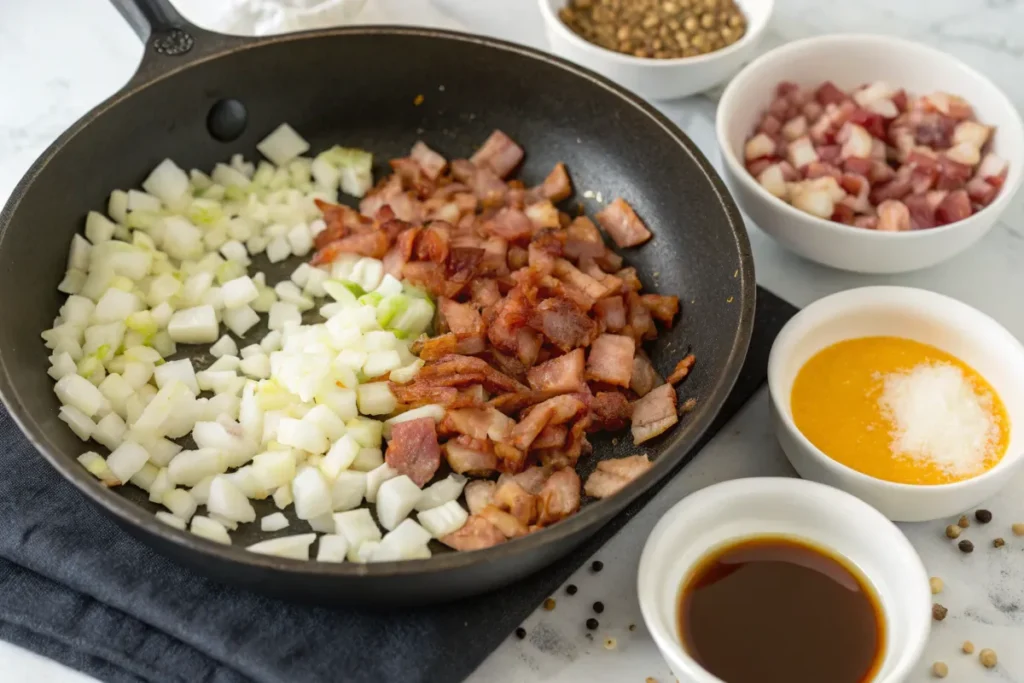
(171, 41)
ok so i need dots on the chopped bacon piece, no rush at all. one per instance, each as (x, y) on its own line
(557, 185)
(552, 436)
(571, 275)
(956, 206)
(611, 359)
(462, 319)
(644, 377)
(435, 242)
(510, 224)
(476, 534)
(557, 410)
(514, 499)
(515, 402)
(922, 213)
(479, 423)
(562, 322)
(484, 292)
(372, 244)
(413, 449)
(981, 191)
(620, 221)
(639, 320)
(513, 312)
(611, 476)
(507, 523)
(662, 307)
(654, 413)
(559, 497)
(454, 370)
(827, 93)
(529, 343)
(499, 153)
(463, 263)
(495, 259)
(470, 456)
(543, 215)
(583, 239)
(682, 369)
(612, 312)
(532, 479)
(479, 494)
(421, 393)
(438, 347)
(430, 162)
(609, 411)
(517, 257)
(563, 374)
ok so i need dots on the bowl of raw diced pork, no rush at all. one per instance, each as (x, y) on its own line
(869, 153)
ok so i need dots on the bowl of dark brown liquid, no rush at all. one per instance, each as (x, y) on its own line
(776, 580)
(798, 612)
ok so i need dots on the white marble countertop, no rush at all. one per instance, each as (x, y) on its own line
(59, 58)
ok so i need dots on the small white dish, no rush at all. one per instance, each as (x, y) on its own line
(827, 517)
(849, 60)
(659, 79)
(923, 316)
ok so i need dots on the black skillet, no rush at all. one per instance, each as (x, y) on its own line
(199, 97)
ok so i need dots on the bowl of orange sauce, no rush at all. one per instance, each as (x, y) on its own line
(908, 399)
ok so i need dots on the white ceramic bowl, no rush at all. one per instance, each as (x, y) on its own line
(923, 316)
(825, 516)
(658, 79)
(849, 60)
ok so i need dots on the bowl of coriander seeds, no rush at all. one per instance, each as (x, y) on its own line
(659, 49)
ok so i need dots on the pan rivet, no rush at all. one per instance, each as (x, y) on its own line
(172, 43)
(226, 120)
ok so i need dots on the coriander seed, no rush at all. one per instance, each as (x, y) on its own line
(967, 647)
(963, 522)
(988, 658)
(1018, 529)
(952, 531)
(936, 585)
(940, 670)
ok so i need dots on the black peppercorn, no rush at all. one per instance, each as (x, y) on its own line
(938, 612)
(965, 546)
(597, 565)
(599, 607)
(592, 624)
(571, 589)
(520, 633)
(983, 516)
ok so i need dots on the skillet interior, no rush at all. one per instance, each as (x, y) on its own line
(357, 87)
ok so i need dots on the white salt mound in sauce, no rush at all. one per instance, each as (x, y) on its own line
(938, 416)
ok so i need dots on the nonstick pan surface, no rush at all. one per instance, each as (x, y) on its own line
(359, 86)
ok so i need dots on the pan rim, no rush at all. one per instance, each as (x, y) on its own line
(681, 440)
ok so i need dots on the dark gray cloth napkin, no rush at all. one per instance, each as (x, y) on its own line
(78, 589)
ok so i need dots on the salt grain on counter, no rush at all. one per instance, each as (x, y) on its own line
(939, 417)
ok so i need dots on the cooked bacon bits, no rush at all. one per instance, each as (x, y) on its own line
(540, 327)
(413, 449)
(874, 157)
(612, 475)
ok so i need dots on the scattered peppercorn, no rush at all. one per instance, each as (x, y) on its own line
(968, 647)
(1018, 529)
(663, 29)
(963, 522)
(632, 627)
(592, 624)
(520, 633)
(998, 543)
(983, 516)
(596, 565)
(965, 546)
(571, 589)
(988, 658)
(598, 606)
(609, 643)
(940, 670)
(549, 604)
(952, 531)
(939, 612)
(936, 585)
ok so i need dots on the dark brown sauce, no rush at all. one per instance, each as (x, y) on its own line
(776, 609)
